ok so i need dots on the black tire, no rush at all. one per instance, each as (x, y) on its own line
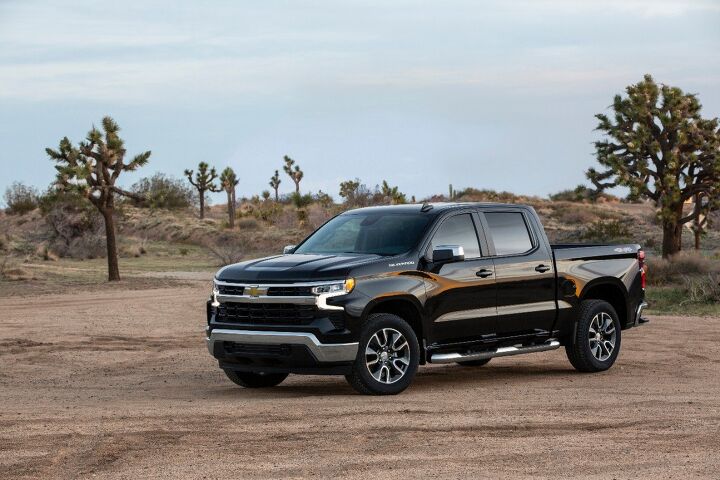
(582, 350)
(475, 363)
(255, 380)
(361, 378)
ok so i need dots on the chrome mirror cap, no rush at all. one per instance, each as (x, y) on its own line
(288, 249)
(448, 253)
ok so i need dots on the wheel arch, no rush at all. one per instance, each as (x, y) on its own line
(406, 307)
(612, 291)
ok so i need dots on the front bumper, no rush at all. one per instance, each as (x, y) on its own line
(271, 351)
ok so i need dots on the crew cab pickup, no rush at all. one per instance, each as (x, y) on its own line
(377, 291)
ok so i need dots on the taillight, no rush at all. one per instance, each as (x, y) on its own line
(643, 269)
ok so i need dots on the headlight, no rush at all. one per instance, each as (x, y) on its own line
(337, 287)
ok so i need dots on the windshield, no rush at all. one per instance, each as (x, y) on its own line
(372, 233)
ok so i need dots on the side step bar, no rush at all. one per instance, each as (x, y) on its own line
(551, 344)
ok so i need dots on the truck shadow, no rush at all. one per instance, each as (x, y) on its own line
(427, 379)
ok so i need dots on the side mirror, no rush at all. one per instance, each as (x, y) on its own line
(448, 253)
(289, 249)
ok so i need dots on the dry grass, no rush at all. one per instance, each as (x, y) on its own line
(671, 272)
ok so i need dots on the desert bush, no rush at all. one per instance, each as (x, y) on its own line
(607, 231)
(162, 191)
(248, 224)
(485, 195)
(672, 271)
(76, 227)
(266, 210)
(183, 251)
(574, 215)
(286, 219)
(20, 199)
(227, 250)
(317, 215)
(701, 289)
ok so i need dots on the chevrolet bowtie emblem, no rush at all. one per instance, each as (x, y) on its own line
(254, 291)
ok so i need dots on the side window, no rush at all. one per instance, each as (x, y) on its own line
(458, 230)
(508, 232)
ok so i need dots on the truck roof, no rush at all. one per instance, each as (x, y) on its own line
(437, 207)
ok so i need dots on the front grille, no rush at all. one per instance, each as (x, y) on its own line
(289, 291)
(230, 289)
(250, 349)
(266, 313)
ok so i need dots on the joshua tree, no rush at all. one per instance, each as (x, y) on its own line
(204, 182)
(661, 148)
(295, 173)
(92, 169)
(275, 184)
(392, 194)
(228, 182)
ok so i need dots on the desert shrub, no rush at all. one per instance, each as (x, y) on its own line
(701, 289)
(76, 227)
(286, 219)
(162, 191)
(607, 231)
(20, 199)
(317, 215)
(183, 251)
(266, 211)
(574, 215)
(301, 201)
(325, 200)
(248, 224)
(485, 195)
(672, 271)
(227, 250)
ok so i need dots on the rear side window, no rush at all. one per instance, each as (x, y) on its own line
(457, 230)
(508, 232)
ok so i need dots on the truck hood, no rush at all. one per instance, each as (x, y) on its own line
(293, 268)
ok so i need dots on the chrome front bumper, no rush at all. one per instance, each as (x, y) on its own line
(323, 352)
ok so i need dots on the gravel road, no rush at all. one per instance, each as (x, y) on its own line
(120, 385)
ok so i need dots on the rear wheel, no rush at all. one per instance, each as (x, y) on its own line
(255, 380)
(475, 363)
(387, 358)
(596, 342)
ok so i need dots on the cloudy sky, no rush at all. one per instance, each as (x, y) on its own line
(490, 94)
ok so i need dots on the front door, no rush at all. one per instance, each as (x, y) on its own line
(461, 298)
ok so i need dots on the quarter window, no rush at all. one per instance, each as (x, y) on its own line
(458, 230)
(508, 232)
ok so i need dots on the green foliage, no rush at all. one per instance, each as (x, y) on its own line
(265, 195)
(301, 201)
(293, 172)
(325, 200)
(391, 195)
(659, 147)
(20, 199)
(608, 231)
(581, 193)
(162, 191)
(485, 195)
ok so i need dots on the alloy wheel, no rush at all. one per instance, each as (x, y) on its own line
(602, 336)
(387, 355)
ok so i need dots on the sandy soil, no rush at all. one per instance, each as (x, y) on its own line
(120, 385)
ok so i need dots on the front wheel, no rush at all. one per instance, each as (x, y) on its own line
(596, 342)
(388, 356)
(255, 380)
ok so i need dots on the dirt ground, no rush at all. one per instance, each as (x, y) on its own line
(120, 385)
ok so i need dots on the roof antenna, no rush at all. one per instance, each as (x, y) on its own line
(426, 207)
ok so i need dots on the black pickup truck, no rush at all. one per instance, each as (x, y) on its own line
(375, 292)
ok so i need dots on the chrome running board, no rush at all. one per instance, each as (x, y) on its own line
(551, 344)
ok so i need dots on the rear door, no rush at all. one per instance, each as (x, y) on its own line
(523, 272)
(461, 300)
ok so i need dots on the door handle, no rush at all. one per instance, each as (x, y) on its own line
(484, 273)
(542, 268)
